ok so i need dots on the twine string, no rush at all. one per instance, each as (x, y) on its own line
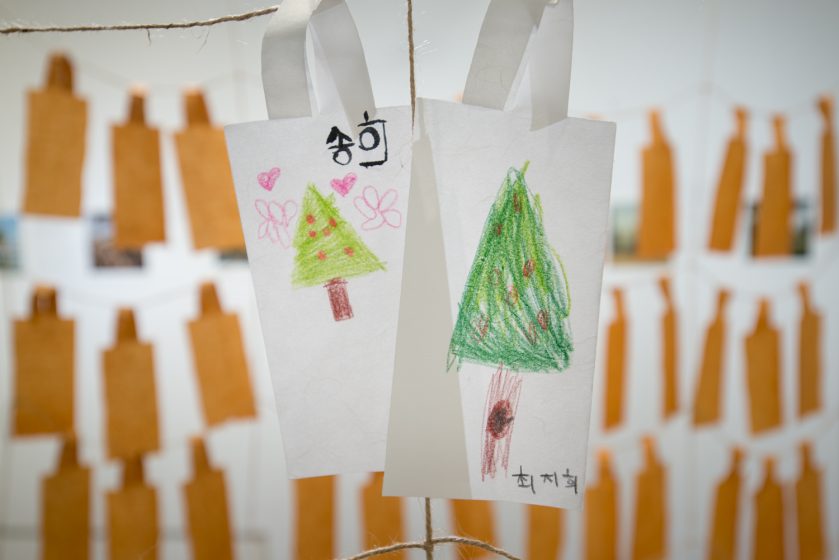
(244, 16)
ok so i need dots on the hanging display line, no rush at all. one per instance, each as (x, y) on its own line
(20, 29)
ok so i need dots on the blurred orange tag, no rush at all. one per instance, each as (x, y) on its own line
(544, 531)
(763, 373)
(220, 362)
(649, 538)
(615, 365)
(669, 352)
(138, 187)
(130, 393)
(809, 356)
(656, 234)
(706, 406)
(808, 501)
(382, 517)
(315, 532)
(56, 144)
(207, 180)
(66, 509)
(45, 369)
(132, 516)
(769, 517)
(773, 234)
(206, 509)
(828, 191)
(722, 545)
(473, 519)
(601, 513)
(730, 188)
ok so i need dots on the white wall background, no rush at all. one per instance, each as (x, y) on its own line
(691, 59)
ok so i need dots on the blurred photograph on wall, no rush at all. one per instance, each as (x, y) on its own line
(105, 254)
(9, 243)
(801, 228)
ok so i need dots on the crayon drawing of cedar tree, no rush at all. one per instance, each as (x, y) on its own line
(328, 251)
(515, 305)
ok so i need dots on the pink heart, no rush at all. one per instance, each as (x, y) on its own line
(343, 186)
(268, 178)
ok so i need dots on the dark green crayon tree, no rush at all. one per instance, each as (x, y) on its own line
(515, 305)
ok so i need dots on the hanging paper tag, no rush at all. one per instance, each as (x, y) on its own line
(207, 514)
(315, 519)
(723, 542)
(206, 178)
(138, 187)
(56, 144)
(132, 516)
(45, 369)
(220, 362)
(657, 231)
(383, 519)
(66, 508)
(772, 231)
(730, 187)
(706, 406)
(130, 393)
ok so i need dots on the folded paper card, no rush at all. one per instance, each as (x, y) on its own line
(322, 200)
(507, 224)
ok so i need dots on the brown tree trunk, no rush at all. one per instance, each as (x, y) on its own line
(339, 299)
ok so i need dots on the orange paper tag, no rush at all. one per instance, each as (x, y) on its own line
(382, 518)
(615, 365)
(130, 393)
(808, 501)
(809, 356)
(138, 188)
(726, 513)
(769, 517)
(828, 191)
(132, 516)
(669, 352)
(56, 144)
(45, 366)
(544, 532)
(656, 234)
(207, 180)
(66, 509)
(650, 536)
(730, 188)
(772, 231)
(473, 519)
(706, 406)
(220, 362)
(206, 509)
(601, 513)
(763, 373)
(315, 530)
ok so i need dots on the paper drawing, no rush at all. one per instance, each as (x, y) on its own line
(267, 179)
(515, 305)
(276, 219)
(379, 210)
(328, 251)
(502, 402)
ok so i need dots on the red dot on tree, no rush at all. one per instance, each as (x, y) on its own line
(313, 233)
(498, 229)
(321, 255)
(332, 222)
(327, 232)
(528, 268)
(349, 251)
(310, 219)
